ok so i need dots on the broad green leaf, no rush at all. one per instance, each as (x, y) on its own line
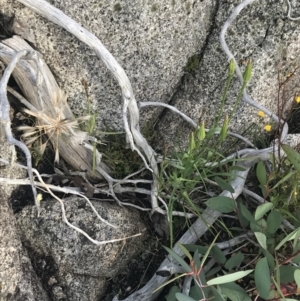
(218, 254)
(179, 260)
(262, 239)
(287, 273)
(255, 227)
(293, 156)
(223, 184)
(217, 295)
(262, 278)
(297, 277)
(296, 259)
(182, 297)
(221, 203)
(192, 248)
(196, 259)
(287, 238)
(213, 271)
(195, 292)
(270, 259)
(234, 292)
(234, 261)
(185, 251)
(246, 213)
(229, 277)
(262, 209)
(274, 221)
(171, 295)
(261, 173)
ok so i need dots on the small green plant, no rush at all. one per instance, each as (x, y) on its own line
(281, 186)
(201, 289)
(186, 176)
(274, 270)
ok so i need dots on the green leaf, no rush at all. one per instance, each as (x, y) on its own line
(234, 292)
(237, 167)
(270, 259)
(229, 277)
(195, 292)
(182, 297)
(287, 273)
(296, 240)
(296, 259)
(293, 156)
(274, 221)
(262, 209)
(185, 251)
(255, 227)
(261, 173)
(246, 213)
(290, 236)
(213, 271)
(234, 261)
(262, 239)
(284, 179)
(171, 295)
(297, 277)
(223, 184)
(208, 250)
(193, 248)
(179, 260)
(262, 278)
(196, 259)
(217, 295)
(221, 203)
(218, 254)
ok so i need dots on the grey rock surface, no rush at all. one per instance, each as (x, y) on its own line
(18, 281)
(152, 41)
(80, 268)
(171, 53)
(262, 32)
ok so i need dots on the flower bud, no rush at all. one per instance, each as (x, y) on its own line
(231, 67)
(248, 72)
(223, 133)
(201, 132)
(192, 143)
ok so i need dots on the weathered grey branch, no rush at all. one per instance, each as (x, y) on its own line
(290, 12)
(190, 120)
(5, 118)
(134, 137)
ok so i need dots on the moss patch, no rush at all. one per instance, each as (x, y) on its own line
(192, 63)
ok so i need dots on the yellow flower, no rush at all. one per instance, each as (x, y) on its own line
(297, 99)
(268, 128)
(261, 114)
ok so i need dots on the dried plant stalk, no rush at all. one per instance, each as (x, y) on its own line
(51, 105)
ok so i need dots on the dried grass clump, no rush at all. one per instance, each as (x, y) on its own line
(53, 124)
